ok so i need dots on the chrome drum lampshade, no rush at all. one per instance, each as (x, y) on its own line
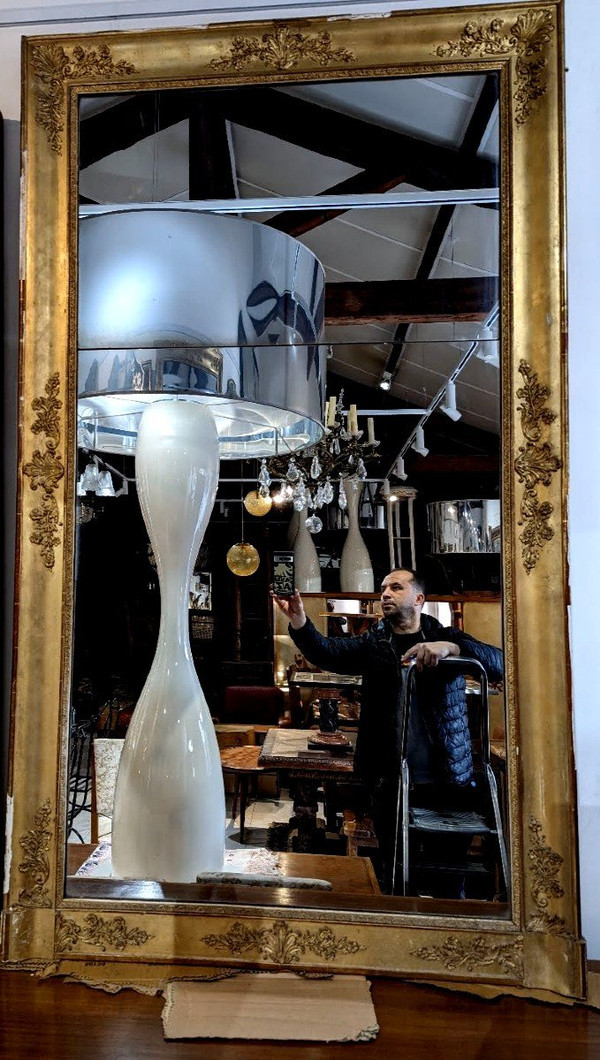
(223, 311)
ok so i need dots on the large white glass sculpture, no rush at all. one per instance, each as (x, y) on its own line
(198, 339)
(169, 811)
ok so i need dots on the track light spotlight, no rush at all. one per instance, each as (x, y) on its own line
(449, 406)
(489, 348)
(418, 443)
(399, 469)
(386, 381)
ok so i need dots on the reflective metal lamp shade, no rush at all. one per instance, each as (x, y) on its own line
(215, 309)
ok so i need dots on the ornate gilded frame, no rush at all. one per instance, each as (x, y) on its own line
(539, 946)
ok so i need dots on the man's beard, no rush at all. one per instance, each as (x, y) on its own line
(404, 617)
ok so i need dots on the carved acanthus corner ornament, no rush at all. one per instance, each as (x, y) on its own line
(281, 944)
(535, 464)
(475, 954)
(53, 66)
(544, 864)
(35, 865)
(107, 933)
(526, 38)
(46, 470)
(282, 49)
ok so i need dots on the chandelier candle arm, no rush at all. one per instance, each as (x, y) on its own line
(169, 812)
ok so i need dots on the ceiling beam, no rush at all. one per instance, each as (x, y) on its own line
(210, 167)
(436, 464)
(375, 180)
(411, 301)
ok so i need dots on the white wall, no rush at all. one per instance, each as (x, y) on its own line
(583, 165)
(582, 18)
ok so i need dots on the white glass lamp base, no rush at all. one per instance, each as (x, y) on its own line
(169, 810)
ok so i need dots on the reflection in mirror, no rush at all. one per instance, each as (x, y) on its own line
(292, 261)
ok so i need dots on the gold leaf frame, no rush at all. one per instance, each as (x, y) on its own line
(538, 946)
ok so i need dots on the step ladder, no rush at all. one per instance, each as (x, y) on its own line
(444, 821)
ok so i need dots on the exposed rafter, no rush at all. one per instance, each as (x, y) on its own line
(374, 180)
(412, 301)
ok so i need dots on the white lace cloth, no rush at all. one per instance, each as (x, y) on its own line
(254, 860)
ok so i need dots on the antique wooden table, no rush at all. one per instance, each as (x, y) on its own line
(308, 769)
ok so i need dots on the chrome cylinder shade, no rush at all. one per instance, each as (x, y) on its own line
(464, 526)
(213, 308)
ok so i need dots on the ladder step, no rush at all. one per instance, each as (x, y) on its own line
(461, 822)
(466, 868)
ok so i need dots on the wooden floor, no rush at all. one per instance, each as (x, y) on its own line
(52, 1020)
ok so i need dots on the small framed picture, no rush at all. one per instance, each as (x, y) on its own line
(201, 592)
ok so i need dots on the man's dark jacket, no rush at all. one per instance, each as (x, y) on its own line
(441, 697)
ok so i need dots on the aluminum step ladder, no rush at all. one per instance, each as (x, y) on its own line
(414, 820)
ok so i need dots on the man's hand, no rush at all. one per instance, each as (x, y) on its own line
(429, 653)
(292, 607)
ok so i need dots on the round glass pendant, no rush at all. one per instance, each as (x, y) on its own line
(314, 524)
(256, 503)
(242, 559)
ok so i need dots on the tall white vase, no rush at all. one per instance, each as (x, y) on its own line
(306, 561)
(169, 811)
(356, 573)
(292, 530)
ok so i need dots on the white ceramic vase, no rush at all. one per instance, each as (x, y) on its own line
(306, 561)
(356, 572)
(292, 530)
(169, 810)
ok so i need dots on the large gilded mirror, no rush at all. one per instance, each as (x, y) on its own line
(337, 243)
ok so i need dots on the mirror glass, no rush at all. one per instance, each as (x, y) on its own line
(344, 787)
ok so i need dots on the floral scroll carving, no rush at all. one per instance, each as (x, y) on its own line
(535, 464)
(53, 66)
(281, 944)
(526, 39)
(475, 954)
(45, 471)
(36, 865)
(107, 933)
(544, 864)
(282, 49)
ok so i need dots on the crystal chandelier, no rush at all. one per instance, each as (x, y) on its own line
(309, 479)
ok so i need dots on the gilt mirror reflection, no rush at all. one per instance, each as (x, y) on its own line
(387, 197)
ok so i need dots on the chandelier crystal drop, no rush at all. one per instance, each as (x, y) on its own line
(264, 477)
(292, 473)
(314, 524)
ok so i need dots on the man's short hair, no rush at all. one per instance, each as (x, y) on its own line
(417, 578)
